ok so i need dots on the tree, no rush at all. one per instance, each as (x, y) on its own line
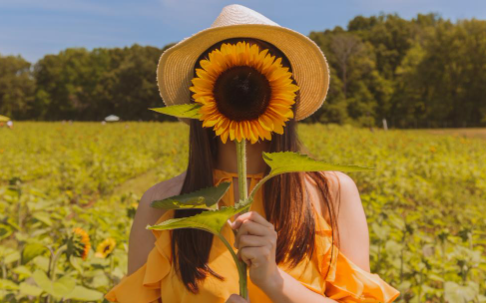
(345, 46)
(16, 87)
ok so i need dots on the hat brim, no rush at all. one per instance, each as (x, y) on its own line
(175, 69)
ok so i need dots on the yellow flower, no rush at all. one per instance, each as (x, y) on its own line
(105, 248)
(252, 110)
(82, 242)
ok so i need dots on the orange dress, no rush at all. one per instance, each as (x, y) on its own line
(345, 281)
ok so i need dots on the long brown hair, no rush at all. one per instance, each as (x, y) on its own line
(286, 202)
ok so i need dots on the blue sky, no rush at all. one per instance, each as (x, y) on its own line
(34, 28)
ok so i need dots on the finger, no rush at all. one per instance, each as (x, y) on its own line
(245, 216)
(234, 298)
(254, 216)
(255, 256)
(252, 228)
(251, 241)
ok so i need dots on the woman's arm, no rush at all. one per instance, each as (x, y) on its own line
(141, 240)
(286, 289)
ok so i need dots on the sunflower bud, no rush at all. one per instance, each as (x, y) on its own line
(78, 243)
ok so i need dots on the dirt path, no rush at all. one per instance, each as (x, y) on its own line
(137, 185)
(460, 132)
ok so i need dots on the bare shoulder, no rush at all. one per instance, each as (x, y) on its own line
(142, 240)
(159, 191)
(341, 186)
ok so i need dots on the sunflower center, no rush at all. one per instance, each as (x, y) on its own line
(242, 93)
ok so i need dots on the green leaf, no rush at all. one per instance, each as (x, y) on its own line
(31, 251)
(210, 220)
(63, 286)
(43, 217)
(12, 257)
(381, 231)
(8, 285)
(435, 277)
(190, 110)
(460, 293)
(84, 294)
(5, 231)
(22, 271)
(29, 289)
(41, 262)
(99, 280)
(74, 261)
(58, 289)
(287, 162)
(203, 198)
(42, 280)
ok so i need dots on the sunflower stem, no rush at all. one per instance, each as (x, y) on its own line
(111, 269)
(243, 196)
(241, 159)
(241, 268)
(52, 270)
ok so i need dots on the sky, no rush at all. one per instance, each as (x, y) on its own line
(34, 28)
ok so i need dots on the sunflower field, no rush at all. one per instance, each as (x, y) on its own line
(69, 192)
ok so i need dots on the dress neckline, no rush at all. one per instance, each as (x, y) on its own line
(232, 174)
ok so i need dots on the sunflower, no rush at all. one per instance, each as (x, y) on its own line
(244, 93)
(105, 248)
(80, 243)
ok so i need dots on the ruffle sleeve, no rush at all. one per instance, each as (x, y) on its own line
(144, 285)
(345, 281)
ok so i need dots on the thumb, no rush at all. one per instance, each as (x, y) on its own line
(234, 298)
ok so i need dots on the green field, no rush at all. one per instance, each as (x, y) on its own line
(425, 203)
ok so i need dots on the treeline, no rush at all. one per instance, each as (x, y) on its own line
(78, 84)
(424, 72)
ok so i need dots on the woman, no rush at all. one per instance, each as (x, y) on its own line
(287, 237)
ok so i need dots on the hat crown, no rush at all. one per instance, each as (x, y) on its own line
(235, 14)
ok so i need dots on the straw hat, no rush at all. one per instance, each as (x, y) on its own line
(309, 66)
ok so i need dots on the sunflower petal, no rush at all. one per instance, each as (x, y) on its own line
(282, 111)
(203, 83)
(232, 129)
(224, 136)
(263, 133)
(265, 122)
